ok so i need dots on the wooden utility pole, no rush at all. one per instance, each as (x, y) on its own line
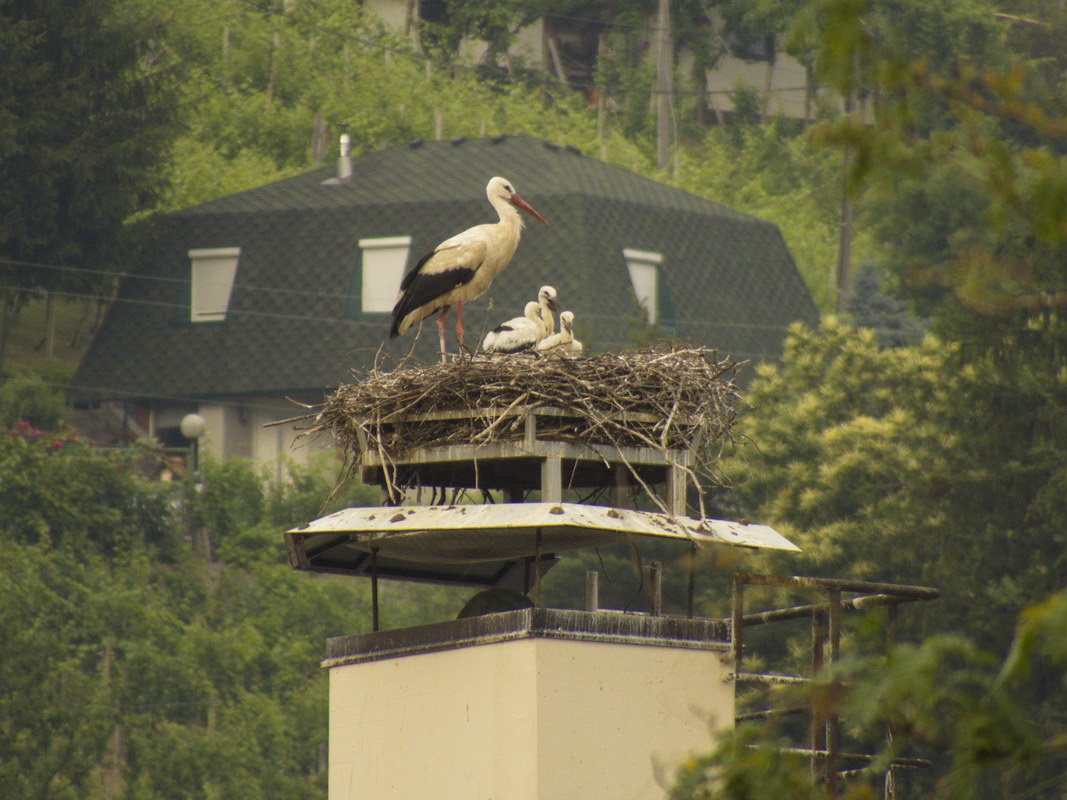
(664, 75)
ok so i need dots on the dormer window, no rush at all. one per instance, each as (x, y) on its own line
(213, 273)
(379, 273)
(644, 275)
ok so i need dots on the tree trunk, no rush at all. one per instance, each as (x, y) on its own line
(664, 70)
(50, 324)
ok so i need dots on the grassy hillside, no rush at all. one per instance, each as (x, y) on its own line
(27, 350)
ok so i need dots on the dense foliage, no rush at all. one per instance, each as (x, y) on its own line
(86, 116)
(153, 640)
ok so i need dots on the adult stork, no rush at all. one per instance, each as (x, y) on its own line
(518, 334)
(562, 344)
(461, 268)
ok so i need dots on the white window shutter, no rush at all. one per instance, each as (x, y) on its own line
(644, 275)
(384, 261)
(213, 273)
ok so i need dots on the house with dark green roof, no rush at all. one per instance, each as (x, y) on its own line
(277, 293)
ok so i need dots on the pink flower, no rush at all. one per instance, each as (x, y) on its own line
(57, 445)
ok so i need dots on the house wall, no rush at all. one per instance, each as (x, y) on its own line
(525, 719)
(782, 81)
(237, 428)
(783, 78)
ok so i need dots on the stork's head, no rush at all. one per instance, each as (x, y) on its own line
(501, 189)
(532, 310)
(547, 295)
(566, 320)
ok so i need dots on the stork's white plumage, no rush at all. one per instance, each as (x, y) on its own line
(546, 297)
(518, 334)
(461, 268)
(562, 344)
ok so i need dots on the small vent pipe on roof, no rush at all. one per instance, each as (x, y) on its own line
(344, 163)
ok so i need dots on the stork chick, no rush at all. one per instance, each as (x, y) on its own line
(547, 299)
(562, 344)
(518, 334)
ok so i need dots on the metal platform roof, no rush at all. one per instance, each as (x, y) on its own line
(490, 545)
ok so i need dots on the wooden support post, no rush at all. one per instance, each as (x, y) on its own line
(676, 490)
(620, 487)
(592, 590)
(552, 480)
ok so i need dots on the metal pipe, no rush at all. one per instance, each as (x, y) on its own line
(833, 727)
(537, 569)
(818, 724)
(691, 589)
(656, 587)
(770, 677)
(849, 604)
(770, 712)
(374, 588)
(889, 787)
(905, 763)
(737, 611)
(870, 587)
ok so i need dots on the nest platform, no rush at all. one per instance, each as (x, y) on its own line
(620, 423)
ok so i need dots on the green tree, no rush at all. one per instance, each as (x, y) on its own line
(86, 113)
(869, 306)
(902, 465)
(136, 665)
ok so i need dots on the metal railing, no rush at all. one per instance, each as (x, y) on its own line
(825, 743)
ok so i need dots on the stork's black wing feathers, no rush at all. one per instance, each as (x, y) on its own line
(518, 347)
(419, 289)
(411, 273)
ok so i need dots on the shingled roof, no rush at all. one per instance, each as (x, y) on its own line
(728, 279)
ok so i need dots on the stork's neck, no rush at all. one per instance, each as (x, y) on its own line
(509, 215)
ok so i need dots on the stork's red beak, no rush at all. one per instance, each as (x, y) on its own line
(518, 202)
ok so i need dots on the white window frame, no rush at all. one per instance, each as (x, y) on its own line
(212, 274)
(643, 267)
(383, 262)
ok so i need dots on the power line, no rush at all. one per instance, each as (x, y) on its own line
(480, 306)
(169, 279)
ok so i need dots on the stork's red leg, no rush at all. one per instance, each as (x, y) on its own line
(441, 332)
(459, 324)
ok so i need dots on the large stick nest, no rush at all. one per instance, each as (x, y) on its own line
(667, 397)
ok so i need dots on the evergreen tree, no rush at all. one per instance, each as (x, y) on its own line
(870, 307)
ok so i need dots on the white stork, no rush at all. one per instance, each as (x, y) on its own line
(461, 268)
(547, 300)
(563, 343)
(518, 334)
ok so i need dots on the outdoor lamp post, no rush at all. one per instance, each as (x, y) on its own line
(192, 428)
